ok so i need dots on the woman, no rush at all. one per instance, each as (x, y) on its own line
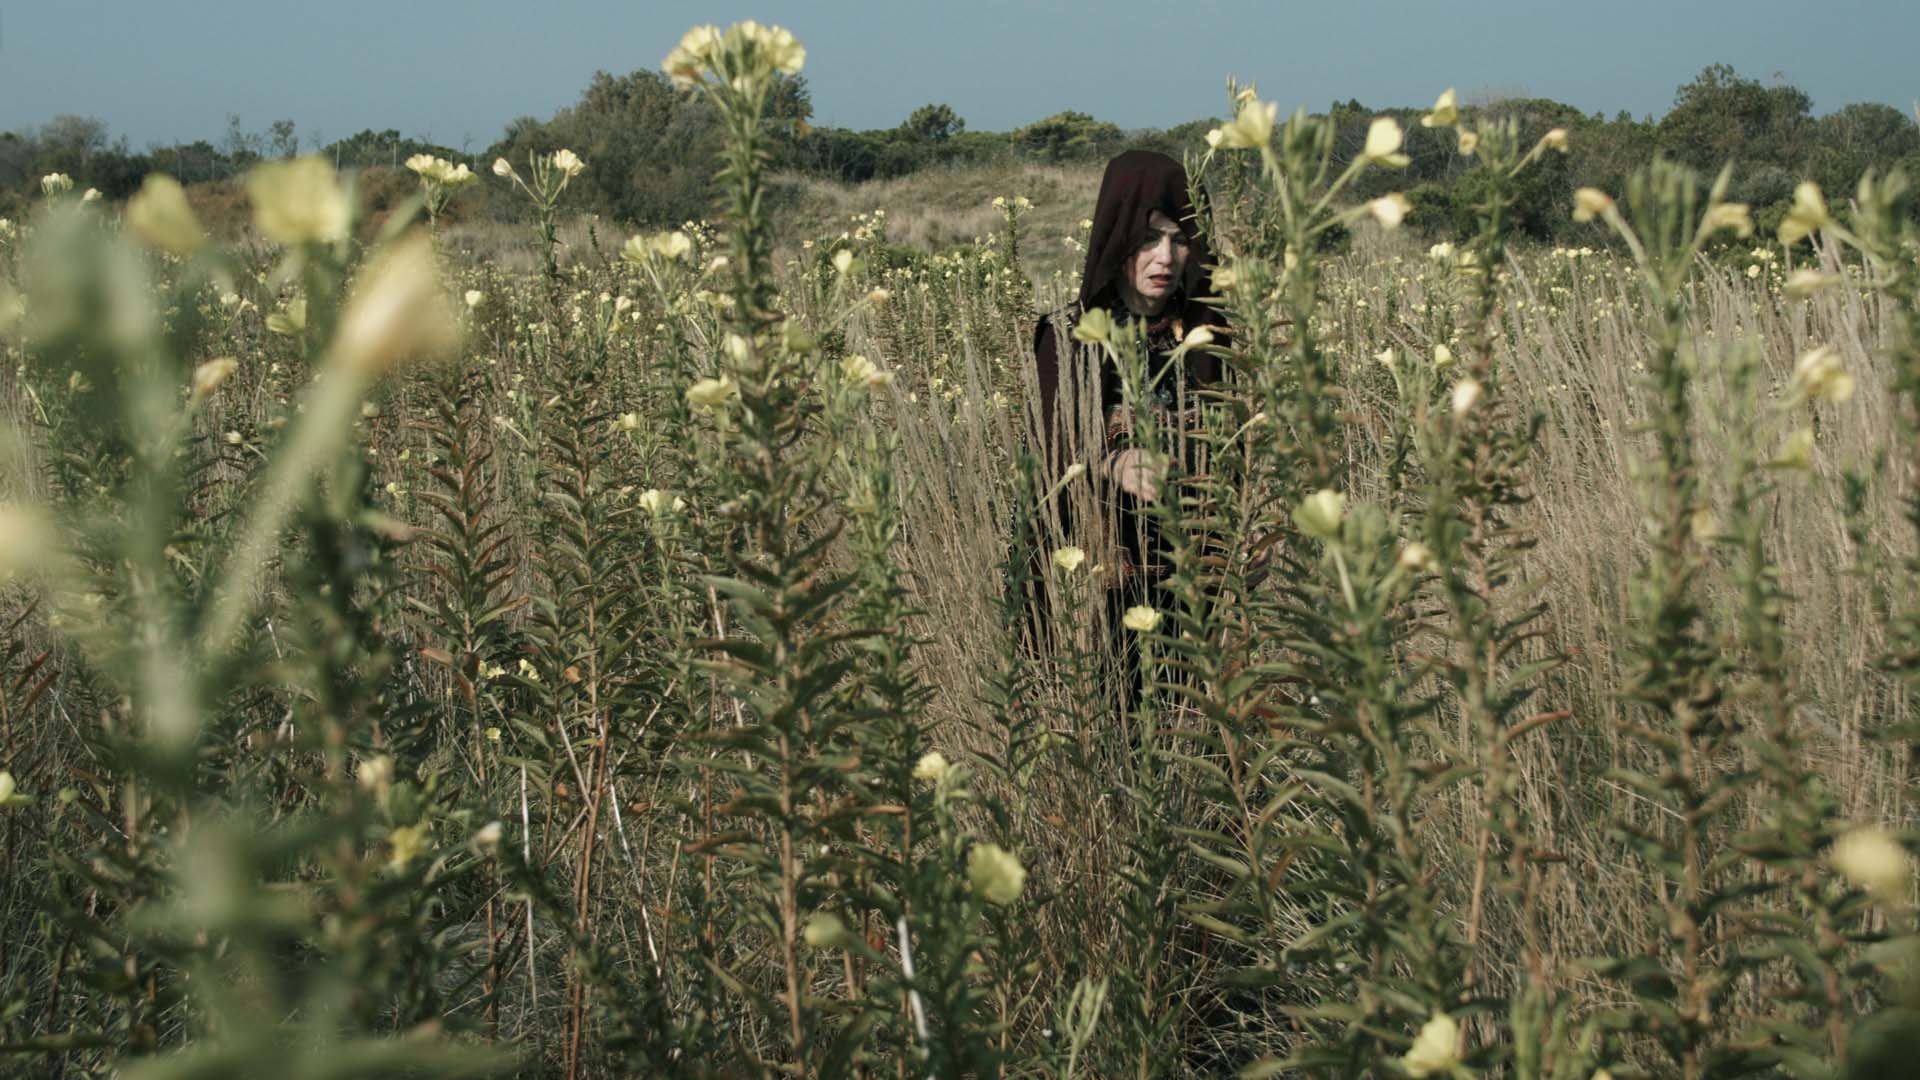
(1146, 263)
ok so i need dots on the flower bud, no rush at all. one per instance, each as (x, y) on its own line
(1383, 143)
(160, 216)
(299, 201)
(209, 376)
(1389, 210)
(825, 930)
(1095, 327)
(995, 874)
(1466, 394)
(1808, 216)
(932, 767)
(1320, 513)
(1590, 203)
(397, 311)
(1819, 374)
(1871, 858)
(711, 393)
(1445, 113)
(1432, 1052)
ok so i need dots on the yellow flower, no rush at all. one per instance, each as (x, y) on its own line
(1389, 210)
(474, 298)
(1383, 143)
(843, 261)
(487, 837)
(1069, 558)
(785, 54)
(1819, 374)
(502, 167)
(1141, 619)
(568, 163)
(858, 368)
(9, 791)
(711, 393)
(58, 183)
(1805, 282)
(1469, 142)
(825, 930)
(1251, 128)
(292, 321)
(1442, 356)
(1590, 203)
(1734, 217)
(299, 201)
(1797, 453)
(406, 842)
(1444, 113)
(932, 767)
(695, 53)
(1197, 338)
(1872, 858)
(27, 539)
(879, 297)
(1466, 394)
(1320, 513)
(1808, 216)
(1555, 139)
(375, 773)
(160, 216)
(493, 733)
(428, 167)
(995, 873)
(1432, 1051)
(1441, 252)
(659, 503)
(209, 376)
(627, 421)
(1417, 556)
(397, 311)
(1095, 327)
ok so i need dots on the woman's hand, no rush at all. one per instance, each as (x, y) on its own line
(1134, 471)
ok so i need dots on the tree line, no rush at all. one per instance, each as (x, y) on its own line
(653, 149)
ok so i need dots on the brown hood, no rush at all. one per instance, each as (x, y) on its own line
(1137, 183)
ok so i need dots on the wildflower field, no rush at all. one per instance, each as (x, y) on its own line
(419, 667)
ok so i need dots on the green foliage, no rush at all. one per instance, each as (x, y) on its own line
(660, 689)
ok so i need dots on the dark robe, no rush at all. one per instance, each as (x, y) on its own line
(1136, 183)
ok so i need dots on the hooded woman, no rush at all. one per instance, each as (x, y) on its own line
(1147, 263)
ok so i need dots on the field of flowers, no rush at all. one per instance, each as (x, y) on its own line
(621, 667)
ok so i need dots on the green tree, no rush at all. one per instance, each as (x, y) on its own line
(1721, 117)
(933, 123)
(1067, 135)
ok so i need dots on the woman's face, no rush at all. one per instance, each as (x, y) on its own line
(1154, 269)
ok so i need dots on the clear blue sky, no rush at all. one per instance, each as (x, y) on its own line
(166, 70)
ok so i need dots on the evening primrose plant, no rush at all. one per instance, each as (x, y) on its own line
(633, 671)
(546, 180)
